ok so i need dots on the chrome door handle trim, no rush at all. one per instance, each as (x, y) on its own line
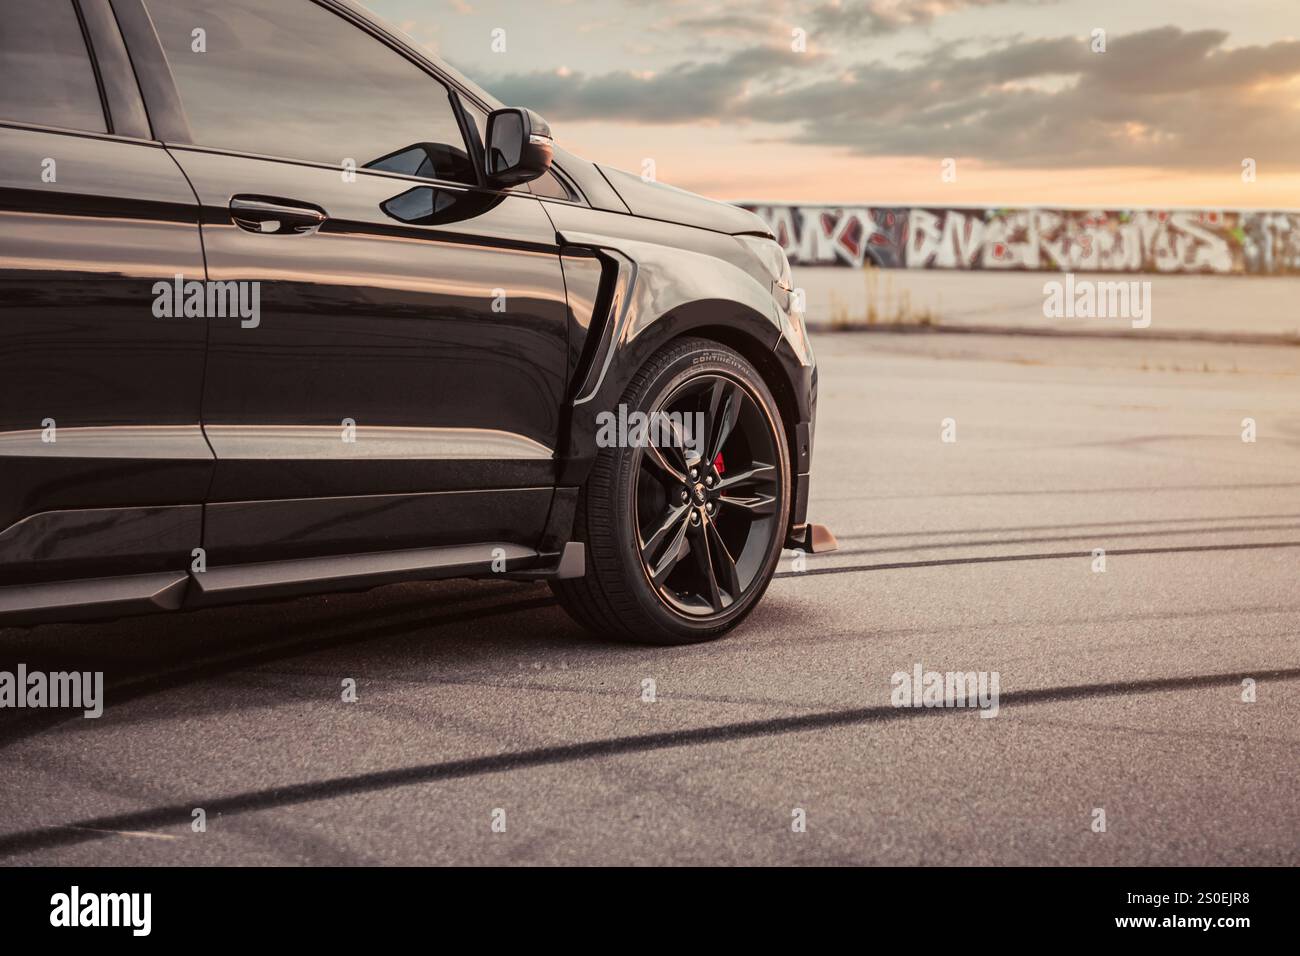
(260, 216)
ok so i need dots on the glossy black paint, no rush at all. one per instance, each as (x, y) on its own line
(584, 274)
(79, 344)
(378, 304)
(58, 545)
(652, 200)
(518, 147)
(667, 280)
(383, 317)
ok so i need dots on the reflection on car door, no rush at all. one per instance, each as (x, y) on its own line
(411, 337)
(103, 465)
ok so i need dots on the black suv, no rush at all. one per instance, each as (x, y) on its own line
(288, 306)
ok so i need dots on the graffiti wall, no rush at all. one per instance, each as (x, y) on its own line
(1221, 242)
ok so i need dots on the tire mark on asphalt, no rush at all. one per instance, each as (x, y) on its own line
(36, 723)
(1059, 527)
(1049, 556)
(1055, 492)
(278, 835)
(156, 818)
(988, 543)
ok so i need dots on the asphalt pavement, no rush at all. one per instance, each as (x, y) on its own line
(489, 729)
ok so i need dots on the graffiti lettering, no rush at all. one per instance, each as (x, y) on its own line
(1137, 240)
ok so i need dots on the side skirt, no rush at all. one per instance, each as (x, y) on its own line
(123, 596)
(272, 579)
(128, 595)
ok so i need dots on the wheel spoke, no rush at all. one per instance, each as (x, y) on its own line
(675, 469)
(755, 505)
(683, 450)
(760, 473)
(725, 562)
(724, 412)
(672, 520)
(678, 547)
(704, 559)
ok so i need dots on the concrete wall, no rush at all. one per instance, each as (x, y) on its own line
(1164, 241)
(1180, 304)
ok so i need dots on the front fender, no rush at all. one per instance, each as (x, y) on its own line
(652, 294)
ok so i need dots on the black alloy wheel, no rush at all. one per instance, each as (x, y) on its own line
(706, 501)
(684, 522)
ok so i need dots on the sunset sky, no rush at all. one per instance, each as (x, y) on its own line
(887, 89)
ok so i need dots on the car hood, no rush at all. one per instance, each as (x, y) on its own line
(653, 200)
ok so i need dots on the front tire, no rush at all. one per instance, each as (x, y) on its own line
(683, 528)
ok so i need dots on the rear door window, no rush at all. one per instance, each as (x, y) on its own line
(46, 77)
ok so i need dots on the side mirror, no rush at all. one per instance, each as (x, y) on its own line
(519, 147)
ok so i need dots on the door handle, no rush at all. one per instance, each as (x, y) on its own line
(276, 216)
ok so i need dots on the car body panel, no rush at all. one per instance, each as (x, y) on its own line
(438, 336)
(474, 425)
(649, 199)
(665, 280)
(101, 399)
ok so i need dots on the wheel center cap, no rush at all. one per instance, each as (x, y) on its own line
(698, 494)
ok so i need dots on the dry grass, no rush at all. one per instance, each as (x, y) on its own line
(883, 306)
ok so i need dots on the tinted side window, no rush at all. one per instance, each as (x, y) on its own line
(292, 79)
(550, 186)
(45, 72)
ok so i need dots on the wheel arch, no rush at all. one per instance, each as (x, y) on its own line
(753, 336)
(653, 290)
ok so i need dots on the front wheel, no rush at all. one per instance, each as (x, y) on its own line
(684, 513)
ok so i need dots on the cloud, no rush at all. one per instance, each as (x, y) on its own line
(723, 24)
(688, 92)
(1162, 96)
(873, 17)
(840, 18)
(1159, 97)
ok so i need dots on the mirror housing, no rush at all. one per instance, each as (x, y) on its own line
(519, 147)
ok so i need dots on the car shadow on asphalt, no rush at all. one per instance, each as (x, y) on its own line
(150, 655)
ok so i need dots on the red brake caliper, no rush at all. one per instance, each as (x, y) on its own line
(719, 465)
